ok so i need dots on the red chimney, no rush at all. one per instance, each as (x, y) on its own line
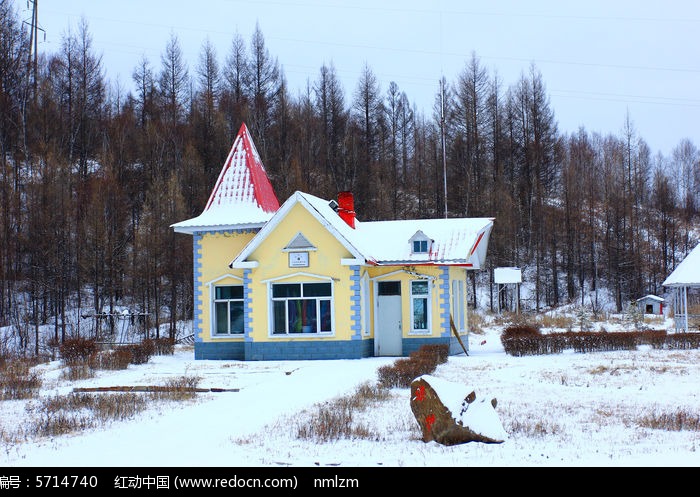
(346, 208)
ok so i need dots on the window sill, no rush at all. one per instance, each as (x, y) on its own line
(301, 335)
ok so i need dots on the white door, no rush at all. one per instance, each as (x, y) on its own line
(388, 332)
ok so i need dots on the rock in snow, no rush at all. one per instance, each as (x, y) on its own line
(451, 414)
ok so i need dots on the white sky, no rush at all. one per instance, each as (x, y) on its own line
(598, 59)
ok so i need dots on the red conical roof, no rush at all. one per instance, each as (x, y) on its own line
(243, 179)
(242, 196)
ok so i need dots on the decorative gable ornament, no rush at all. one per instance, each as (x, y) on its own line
(299, 242)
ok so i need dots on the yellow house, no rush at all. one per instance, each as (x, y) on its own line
(307, 280)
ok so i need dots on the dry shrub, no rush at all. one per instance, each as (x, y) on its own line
(121, 406)
(520, 339)
(78, 372)
(436, 353)
(77, 350)
(423, 361)
(62, 414)
(334, 420)
(366, 395)
(162, 346)
(142, 352)
(559, 322)
(532, 427)
(332, 423)
(476, 323)
(116, 359)
(671, 421)
(180, 388)
(18, 381)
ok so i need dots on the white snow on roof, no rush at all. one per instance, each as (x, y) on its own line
(651, 297)
(234, 215)
(687, 273)
(387, 242)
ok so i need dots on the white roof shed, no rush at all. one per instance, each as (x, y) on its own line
(686, 275)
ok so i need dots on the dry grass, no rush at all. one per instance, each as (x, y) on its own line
(335, 419)
(18, 381)
(677, 420)
(62, 414)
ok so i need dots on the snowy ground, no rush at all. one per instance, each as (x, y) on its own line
(564, 410)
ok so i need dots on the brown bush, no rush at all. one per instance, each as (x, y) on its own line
(438, 352)
(77, 350)
(140, 352)
(17, 381)
(521, 339)
(405, 370)
(162, 346)
(116, 359)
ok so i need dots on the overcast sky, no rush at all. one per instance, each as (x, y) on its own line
(599, 60)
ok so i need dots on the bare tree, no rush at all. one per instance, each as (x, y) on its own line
(236, 75)
(263, 88)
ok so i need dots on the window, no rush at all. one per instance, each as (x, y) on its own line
(228, 310)
(389, 288)
(420, 243)
(458, 307)
(419, 305)
(364, 298)
(420, 246)
(301, 308)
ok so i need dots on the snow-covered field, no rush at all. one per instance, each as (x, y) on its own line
(568, 409)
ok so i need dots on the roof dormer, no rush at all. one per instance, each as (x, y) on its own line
(420, 243)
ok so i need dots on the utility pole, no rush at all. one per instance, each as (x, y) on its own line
(32, 61)
(442, 133)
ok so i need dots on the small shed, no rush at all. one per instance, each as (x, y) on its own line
(651, 304)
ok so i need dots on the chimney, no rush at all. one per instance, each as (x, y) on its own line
(346, 208)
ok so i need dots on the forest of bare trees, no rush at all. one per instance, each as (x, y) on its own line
(93, 176)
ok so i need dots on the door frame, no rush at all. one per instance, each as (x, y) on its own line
(378, 322)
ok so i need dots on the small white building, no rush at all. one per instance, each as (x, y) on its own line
(651, 304)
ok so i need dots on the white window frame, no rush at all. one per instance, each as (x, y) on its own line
(287, 333)
(420, 241)
(214, 315)
(459, 305)
(364, 298)
(422, 246)
(427, 298)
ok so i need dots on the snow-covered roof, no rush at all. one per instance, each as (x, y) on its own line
(651, 297)
(687, 273)
(242, 196)
(457, 241)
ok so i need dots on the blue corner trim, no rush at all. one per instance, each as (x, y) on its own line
(247, 305)
(355, 307)
(197, 278)
(445, 300)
